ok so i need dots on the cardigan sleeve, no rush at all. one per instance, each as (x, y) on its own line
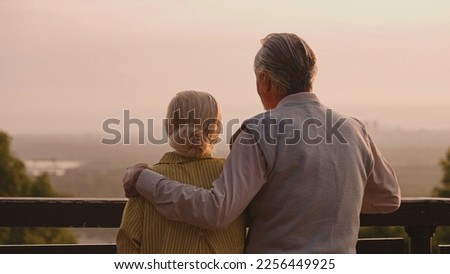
(129, 237)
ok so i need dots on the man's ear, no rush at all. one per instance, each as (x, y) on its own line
(266, 82)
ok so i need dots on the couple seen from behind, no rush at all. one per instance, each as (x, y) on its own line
(296, 179)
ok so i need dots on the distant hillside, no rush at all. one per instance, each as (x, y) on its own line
(415, 157)
(413, 154)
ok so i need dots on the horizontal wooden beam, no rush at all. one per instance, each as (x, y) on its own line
(413, 212)
(86, 212)
(59, 249)
(61, 212)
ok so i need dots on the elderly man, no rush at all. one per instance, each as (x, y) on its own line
(303, 172)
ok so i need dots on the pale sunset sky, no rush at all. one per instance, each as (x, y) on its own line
(66, 66)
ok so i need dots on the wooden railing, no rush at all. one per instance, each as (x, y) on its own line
(419, 216)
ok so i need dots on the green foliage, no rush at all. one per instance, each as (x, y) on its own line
(445, 164)
(13, 178)
(443, 233)
(444, 190)
(14, 182)
(382, 232)
(42, 187)
(36, 235)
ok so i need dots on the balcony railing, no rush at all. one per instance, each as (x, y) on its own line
(419, 216)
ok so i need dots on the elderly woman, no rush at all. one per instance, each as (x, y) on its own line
(193, 125)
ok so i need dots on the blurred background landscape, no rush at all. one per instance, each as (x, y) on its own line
(81, 166)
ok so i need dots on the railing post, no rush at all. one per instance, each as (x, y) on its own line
(420, 238)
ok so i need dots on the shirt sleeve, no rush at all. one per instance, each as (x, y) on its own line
(243, 175)
(382, 191)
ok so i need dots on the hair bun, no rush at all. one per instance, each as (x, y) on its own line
(193, 123)
(189, 140)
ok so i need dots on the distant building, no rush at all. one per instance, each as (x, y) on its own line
(51, 167)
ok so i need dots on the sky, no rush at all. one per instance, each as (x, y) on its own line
(67, 66)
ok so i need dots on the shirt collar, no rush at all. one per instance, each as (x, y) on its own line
(175, 158)
(300, 97)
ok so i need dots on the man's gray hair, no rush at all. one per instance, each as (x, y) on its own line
(289, 62)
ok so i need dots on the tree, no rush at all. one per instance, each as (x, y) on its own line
(444, 191)
(15, 182)
(13, 178)
(443, 233)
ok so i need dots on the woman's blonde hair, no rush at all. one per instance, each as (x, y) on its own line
(193, 123)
